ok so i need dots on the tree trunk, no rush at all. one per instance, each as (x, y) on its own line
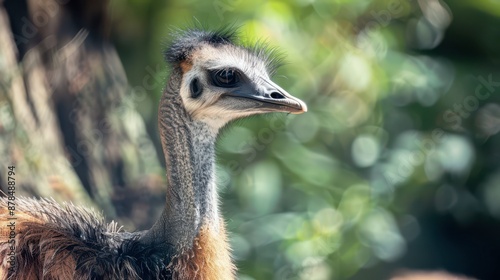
(67, 121)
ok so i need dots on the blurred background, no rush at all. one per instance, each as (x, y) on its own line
(395, 166)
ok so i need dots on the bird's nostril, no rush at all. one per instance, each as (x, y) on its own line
(277, 95)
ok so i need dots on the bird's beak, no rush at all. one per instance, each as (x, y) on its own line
(272, 98)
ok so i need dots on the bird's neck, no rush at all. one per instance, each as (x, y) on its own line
(191, 191)
(189, 235)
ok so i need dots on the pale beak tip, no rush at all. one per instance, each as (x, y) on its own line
(303, 109)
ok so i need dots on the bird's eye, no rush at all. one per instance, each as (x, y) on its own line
(226, 78)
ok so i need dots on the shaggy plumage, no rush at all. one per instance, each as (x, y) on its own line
(64, 241)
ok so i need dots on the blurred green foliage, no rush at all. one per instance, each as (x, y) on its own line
(402, 121)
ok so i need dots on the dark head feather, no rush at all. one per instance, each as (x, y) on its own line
(186, 41)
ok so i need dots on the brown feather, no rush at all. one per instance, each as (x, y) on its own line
(209, 259)
(36, 249)
(185, 66)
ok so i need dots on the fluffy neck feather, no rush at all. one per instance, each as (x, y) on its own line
(191, 192)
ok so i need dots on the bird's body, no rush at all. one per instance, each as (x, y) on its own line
(212, 82)
(54, 234)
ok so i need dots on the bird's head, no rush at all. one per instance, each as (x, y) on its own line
(221, 81)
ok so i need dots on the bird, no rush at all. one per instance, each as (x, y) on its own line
(213, 81)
